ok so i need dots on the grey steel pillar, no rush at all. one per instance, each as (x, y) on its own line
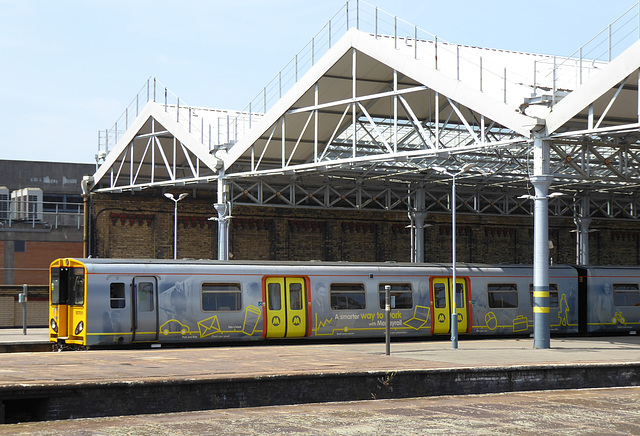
(418, 217)
(541, 182)
(582, 235)
(223, 208)
(86, 183)
(454, 309)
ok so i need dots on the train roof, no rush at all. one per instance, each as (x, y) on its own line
(390, 264)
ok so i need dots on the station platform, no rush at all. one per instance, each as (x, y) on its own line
(97, 383)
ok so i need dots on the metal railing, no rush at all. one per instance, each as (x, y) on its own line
(484, 69)
(572, 71)
(211, 126)
(43, 215)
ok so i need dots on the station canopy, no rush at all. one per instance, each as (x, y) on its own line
(373, 109)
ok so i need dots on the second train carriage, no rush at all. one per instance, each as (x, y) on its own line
(107, 301)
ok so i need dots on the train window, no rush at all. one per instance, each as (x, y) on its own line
(295, 296)
(275, 296)
(116, 294)
(626, 294)
(55, 286)
(459, 296)
(440, 295)
(145, 297)
(553, 295)
(76, 286)
(225, 297)
(401, 291)
(347, 296)
(502, 295)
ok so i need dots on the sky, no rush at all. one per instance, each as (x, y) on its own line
(69, 68)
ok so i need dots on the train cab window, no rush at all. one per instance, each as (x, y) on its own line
(553, 295)
(116, 295)
(347, 296)
(55, 286)
(401, 291)
(295, 296)
(502, 295)
(76, 286)
(226, 297)
(145, 297)
(626, 294)
(275, 299)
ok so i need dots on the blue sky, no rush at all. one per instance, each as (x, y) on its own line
(69, 68)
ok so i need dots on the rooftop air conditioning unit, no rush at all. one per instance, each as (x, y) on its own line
(4, 203)
(26, 204)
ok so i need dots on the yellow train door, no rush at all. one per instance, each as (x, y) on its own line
(286, 307)
(441, 304)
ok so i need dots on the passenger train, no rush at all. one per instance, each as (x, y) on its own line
(110, 302)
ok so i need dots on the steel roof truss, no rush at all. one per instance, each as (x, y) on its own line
(342, 197)
(333, 135)
(606, 162)
(416, 123)
(141, 162)
(114, 181)
(464, 121)
(264, 150)
(375, 129)
(308, 195)
(170, 172)
(295, 147)
(195, 171)
(613, 99)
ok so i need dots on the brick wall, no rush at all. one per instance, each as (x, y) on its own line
(11, 311)
(141, 226)
(32, 265)
(2, 263)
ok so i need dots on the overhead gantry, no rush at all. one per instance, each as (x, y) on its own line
(365, 113)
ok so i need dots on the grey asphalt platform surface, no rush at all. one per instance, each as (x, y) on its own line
(575, 412)
(17, 336)
(587, 411)
(266, 360)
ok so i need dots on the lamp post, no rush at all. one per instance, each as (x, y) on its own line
(170, 196)
(454, 309)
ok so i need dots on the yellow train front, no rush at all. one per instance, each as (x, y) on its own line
(67, 308)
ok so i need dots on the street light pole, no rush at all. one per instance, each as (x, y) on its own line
(454, 287)
(175, 219)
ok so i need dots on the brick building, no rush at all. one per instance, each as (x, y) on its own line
(140, 225)
(49, 226)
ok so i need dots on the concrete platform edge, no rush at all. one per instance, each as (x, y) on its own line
(51, 401)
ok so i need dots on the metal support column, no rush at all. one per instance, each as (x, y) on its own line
(582, 235)
(223, 208)
(418, 219)
(418, 215)
(541, 181)
(87, 181)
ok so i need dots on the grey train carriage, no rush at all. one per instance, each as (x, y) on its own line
(107, 302)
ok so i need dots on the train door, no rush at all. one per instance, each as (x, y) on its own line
(145, 315)
(441, 304)
(286, 307)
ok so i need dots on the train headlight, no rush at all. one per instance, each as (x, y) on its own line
(79, 328)
(54, 325)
